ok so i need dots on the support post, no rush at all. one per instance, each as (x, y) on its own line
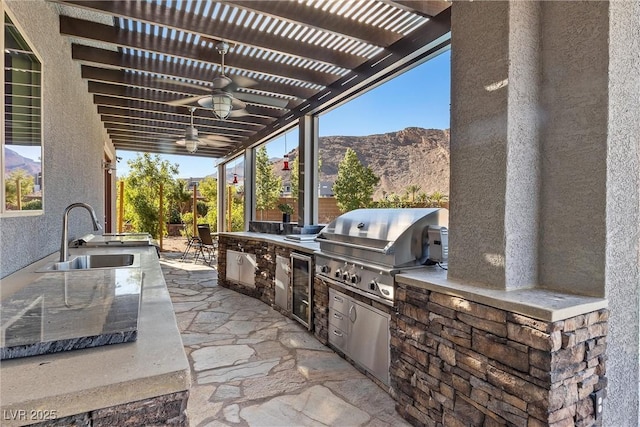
(195, 210)
(121, 206)
(161, 215)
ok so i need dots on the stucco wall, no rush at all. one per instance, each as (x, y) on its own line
(574, 146)
(622, 275)
(73, 139)
(479, 102)
(589, 158)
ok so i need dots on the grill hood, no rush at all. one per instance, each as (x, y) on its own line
(389, 237)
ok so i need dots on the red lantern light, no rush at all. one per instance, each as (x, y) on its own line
(285, 166)
(235, 178)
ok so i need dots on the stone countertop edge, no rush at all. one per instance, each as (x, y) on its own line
(537, 303)
(308, 247)
(78, 381)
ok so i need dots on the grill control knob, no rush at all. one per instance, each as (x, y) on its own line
(338, 273)
(355, 278)
(324, 269)
(345, 276)
(373, 285)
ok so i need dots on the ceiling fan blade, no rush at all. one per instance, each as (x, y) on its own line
(239, 113)
(262, 99)
(220, 138)
(242, 81)
(221, 82)
(188, 100)
(237, 104)
(212, 143)
(180, 83)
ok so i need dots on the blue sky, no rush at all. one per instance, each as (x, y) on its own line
(419, 97)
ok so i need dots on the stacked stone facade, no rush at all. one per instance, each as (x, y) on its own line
(266, 266)
(266, 254)
(455, 362)
(165, 410)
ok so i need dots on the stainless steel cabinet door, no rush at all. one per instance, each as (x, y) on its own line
(369, 339)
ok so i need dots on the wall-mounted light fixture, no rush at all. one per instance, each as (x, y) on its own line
(108, 166)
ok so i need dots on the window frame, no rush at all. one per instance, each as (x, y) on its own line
(4, 213)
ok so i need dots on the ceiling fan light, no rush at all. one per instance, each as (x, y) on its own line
(221, 105)
(191, 145)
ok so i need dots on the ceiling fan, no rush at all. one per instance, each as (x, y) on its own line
(191, 141)
(223, 97)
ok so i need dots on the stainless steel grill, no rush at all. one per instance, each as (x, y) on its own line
(364, 249)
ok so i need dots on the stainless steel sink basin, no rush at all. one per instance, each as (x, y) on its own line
(96, 261)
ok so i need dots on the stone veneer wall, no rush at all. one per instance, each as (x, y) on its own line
(321, 310)
(266, 260)
(459, 363)
(166, 410)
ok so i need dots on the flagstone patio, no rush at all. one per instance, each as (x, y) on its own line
(251, 366)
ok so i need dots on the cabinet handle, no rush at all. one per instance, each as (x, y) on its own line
(337, 316)
(352, 314)
(239, 259)
(336, 333)
(336, 298)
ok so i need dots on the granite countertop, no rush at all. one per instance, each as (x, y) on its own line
(67, 310)
(73, 382)
(538, 303)
(279, 239)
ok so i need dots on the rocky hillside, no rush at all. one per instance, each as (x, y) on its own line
(14, 161)
(412, 156)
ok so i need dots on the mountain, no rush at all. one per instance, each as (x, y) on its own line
(412, 156)
(14, 161)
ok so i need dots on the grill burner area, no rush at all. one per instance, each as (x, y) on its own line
(374, 282)
(364, 249)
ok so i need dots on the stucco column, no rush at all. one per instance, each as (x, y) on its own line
(545, 161)
(622, 272)
(495, 121)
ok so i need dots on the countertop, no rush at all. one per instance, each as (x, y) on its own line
(62, 311)
(78, 381)
(279, 239)
(538, 303)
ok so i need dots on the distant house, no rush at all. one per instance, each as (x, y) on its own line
(325, 189)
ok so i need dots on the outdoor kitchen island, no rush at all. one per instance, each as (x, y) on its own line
(139, 383)
(460, 354)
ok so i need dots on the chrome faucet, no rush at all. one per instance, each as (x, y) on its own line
(64, 250)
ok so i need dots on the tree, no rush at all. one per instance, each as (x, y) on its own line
(355, 184)
(438, 198)
(142, 191)
(413, 189)
(268, 185)
(180, 200)
(295, 171)
(11, 186)
(209, 190)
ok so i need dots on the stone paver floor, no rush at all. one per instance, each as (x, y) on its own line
(251, 366)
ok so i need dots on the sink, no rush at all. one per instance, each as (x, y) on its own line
(90, 262)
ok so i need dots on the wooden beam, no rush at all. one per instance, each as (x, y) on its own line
(327, 22)
(127, 78)
(160, 14)
(206, 54)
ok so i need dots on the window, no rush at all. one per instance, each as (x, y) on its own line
(21, 155)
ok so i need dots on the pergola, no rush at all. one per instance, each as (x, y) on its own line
(303, 57)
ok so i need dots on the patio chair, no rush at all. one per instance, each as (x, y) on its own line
(208, 246)
(193, 244)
